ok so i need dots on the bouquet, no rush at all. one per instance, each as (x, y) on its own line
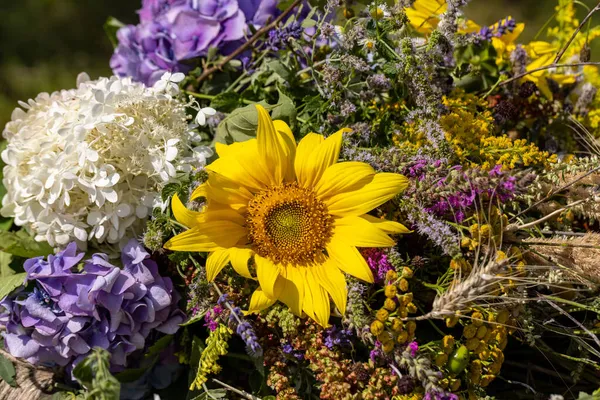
(309, 199)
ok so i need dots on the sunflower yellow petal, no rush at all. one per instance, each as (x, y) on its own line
(215, 262)
(342, 177)
(259, 301)
(310, 169)
(225, 191)
(207, 236)
(289, 142)
(319, 308)
(357, 231)
(306, 148)
(271, 146)
(290, 287)
(350, 260)
(239, 260)
(182, 214)
(333, 281)
(238, 163)
(267, 274)
(385, 225)
(200, 191)
(223, 214)
(382, 188)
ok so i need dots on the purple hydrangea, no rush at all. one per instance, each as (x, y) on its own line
(173, 31)
(76, 305)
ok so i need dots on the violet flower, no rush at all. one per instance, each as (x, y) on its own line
(173, 31)
(71, 310)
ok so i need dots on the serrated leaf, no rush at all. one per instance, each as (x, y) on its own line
(7, 371)
(226, 102)
(242, 123)
(10, 283)
(5, 269)
(111, 26)
(285, 110)
(23, 245)
(239, 126)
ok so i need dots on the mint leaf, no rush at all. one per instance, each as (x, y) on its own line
(10, 283)
(23, 245)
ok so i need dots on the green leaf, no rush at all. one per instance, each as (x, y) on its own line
(7, 371)
(130, 374)
(239, 126)
(10, 283)
(5, 269)
(196, 318)
(281, 69)
(285, 110)
(226, 102)
(242, 123)
(23, 245)
(159, 346)
(111, 26)
(308, 23)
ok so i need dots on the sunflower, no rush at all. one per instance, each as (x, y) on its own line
(294, 211)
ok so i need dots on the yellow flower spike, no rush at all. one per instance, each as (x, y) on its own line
(292, 211)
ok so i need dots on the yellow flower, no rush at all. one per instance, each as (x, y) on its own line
(542, 54)
(505, 44)
(424, 16)
(293, 211)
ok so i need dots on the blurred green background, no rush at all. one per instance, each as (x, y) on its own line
(44, 44)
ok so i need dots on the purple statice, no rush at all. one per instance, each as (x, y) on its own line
(413, 347)
(212, 316)
(378, 262)
(278, 38)
(76, 305)
(337, 337)
(377, 352)
(453, 192)
(173, 31)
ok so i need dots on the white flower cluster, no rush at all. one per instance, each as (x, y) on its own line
(88, 164)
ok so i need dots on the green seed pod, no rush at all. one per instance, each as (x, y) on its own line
(458, 360)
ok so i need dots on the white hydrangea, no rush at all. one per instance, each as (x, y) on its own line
(88, 164)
